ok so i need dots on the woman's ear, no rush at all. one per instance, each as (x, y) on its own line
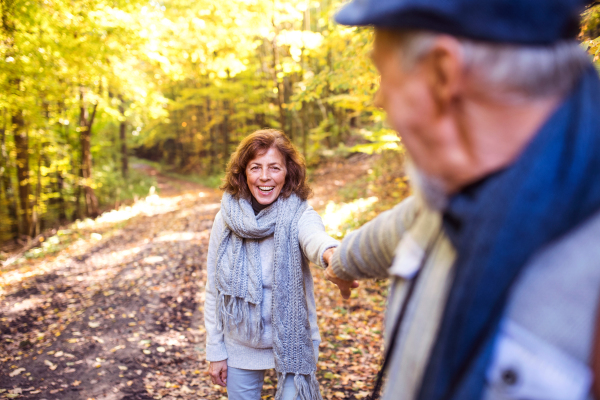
(443, 69)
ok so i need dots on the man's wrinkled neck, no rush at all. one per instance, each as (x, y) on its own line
(429, 190)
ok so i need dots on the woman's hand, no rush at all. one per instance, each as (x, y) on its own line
(327, 255)
(344, 286)
(218, 372)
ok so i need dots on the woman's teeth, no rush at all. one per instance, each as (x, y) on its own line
(266, 188)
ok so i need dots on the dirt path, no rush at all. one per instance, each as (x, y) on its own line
(116, 311)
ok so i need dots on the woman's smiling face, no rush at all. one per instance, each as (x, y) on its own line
(265, 175)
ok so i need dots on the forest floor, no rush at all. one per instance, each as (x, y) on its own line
(113, 308)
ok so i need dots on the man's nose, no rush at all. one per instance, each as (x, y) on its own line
(378, 99)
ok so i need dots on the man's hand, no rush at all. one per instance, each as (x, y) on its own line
(344, 286)
(218, 372)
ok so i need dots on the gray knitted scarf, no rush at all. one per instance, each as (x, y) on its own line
(239, 286)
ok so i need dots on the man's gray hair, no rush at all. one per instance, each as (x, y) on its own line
(508, 71)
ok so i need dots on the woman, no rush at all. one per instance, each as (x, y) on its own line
(260, 306)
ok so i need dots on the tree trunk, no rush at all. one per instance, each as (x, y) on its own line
(78, 214)
(328, 107)
(60, 186)
(303, 117)
(124, 157)
(7, 187)
(6, 183)
(85, 126)
(180, 146)
(304, 127)
(226, 131)
(123, 139)
(277, 83)
(22, 149)
(198, 138)
(64, 204)
(211, 143)
(34, 230)
(226, 128)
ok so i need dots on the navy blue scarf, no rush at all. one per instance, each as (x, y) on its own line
(497, 224)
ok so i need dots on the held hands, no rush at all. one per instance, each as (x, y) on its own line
(218, 372)
(344, 285)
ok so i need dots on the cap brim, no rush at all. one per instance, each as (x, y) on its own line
(354, 14)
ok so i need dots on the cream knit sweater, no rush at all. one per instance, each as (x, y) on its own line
(239, 353)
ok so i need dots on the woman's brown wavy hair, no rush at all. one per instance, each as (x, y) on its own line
(257, 144)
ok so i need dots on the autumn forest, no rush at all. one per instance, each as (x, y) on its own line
(117, 118)
(86, 85)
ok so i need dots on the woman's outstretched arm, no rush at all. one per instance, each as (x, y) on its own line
(313, 239)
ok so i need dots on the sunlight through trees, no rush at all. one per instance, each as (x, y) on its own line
(86, 84)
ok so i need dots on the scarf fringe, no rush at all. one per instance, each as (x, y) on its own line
(234, 313)
(307, 387)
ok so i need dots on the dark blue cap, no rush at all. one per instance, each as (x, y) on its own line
(532, 22)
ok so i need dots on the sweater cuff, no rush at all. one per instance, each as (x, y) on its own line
(216, 352)
(338, 268)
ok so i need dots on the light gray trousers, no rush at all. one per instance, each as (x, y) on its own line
(244, 384)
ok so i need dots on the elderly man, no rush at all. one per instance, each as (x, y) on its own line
(495, 263)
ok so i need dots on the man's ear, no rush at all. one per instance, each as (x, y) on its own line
(443, 68)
